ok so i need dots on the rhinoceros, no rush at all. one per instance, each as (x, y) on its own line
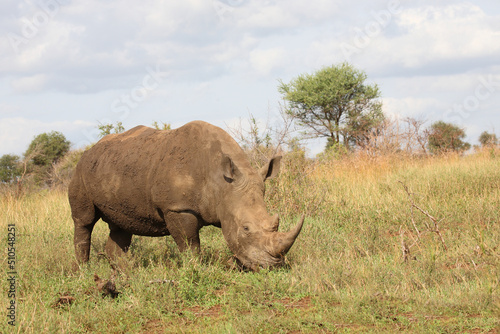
(174, 182)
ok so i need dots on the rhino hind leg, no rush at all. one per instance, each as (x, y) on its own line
(84, 217)
(184, 228)
(118, 242)
(82, 242)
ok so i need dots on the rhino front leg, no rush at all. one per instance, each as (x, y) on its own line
(118, 242)
(184, 228)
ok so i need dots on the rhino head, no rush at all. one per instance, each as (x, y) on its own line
(250, 232)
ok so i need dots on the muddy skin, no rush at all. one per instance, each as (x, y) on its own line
(155, 183)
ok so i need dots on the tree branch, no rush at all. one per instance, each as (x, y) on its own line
(432, 218)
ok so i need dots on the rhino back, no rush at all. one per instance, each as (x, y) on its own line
(134, 177)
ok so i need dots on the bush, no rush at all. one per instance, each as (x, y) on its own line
(47, 148)
(44, 151)
(9, 168)
(63, 170)
(447, 137)
(488, 139)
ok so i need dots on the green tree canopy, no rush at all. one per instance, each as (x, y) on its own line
(47, 148)
(488, 139)
(9, 168)
(334, 102)
(446, 137)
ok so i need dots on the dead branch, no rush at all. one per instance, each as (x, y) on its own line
(106, 287)
(404, 248)
(435, 221)
(113, 265)
(416, 135)
(116, 269)
(163, 281)
(25, 162)
(410, 196)
(263, 141)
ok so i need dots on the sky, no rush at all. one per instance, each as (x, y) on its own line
(69, 65)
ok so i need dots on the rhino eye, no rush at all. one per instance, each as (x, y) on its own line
(246, 229)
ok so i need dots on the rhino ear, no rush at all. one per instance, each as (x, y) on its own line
(271, 169)
(229, 169)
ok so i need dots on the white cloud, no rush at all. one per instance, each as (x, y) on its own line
(410, 106)
(274, 16)
(29, 84)
(460, 30)
(18, 132)
(437, 35)
(278, 15)
(264, 61)
(421, 40)
(427, 57)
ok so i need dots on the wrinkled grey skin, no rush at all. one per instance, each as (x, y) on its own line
(155, 183)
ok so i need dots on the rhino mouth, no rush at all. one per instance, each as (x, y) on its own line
(255, 265)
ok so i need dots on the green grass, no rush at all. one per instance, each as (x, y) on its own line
(345, 273)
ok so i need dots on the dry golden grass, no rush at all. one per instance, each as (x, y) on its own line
(346, 272)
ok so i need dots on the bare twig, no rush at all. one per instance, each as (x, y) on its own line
(416, 135)
(410, 196)
(25, 162)
(436, 225)
(113, 265)
(116, 269)
(432, 218)
(404, 248)
(264, 141)
(163, 281)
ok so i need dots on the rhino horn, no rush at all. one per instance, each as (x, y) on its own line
(283, 241)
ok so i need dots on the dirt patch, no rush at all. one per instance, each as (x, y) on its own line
(64, 300)
(221, 292)
(185, 318)
(348, 326)
(289, 303)
(412, 318)
(303, 303)
(481, 331)
(212, 312)
(153, 327)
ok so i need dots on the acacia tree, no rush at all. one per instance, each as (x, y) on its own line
(9, 168)
(44, 151)
(446, 137)
(336, 103)
(488, 139)
(47, 148)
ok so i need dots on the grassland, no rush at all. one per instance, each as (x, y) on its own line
(366, 261)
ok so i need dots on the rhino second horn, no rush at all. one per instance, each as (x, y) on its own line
(284, 241)
(276, 223)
